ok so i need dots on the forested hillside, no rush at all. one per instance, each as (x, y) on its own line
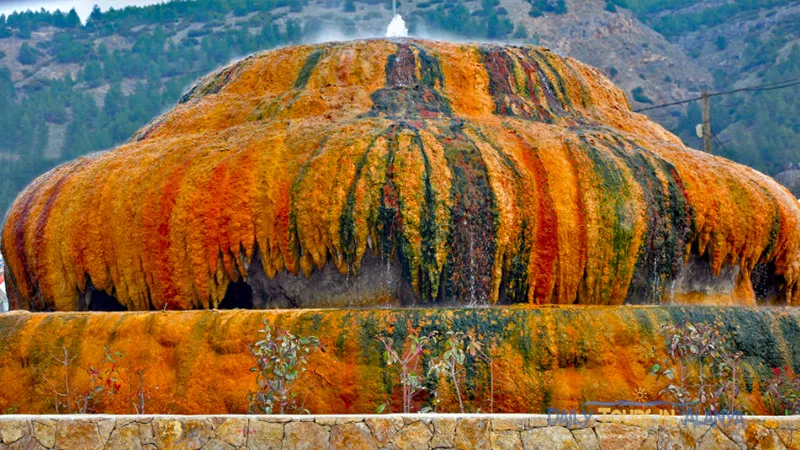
(743, 43)
(67, 88)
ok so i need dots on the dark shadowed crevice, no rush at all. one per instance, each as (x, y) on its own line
(378, 283)
(238, 296)
(102, 301)
(98, 300)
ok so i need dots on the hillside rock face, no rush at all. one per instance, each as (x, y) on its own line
(791, 179)
(620, 45)
(400, 172)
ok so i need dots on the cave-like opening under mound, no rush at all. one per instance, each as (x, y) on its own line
(403, 173)
(239, 295)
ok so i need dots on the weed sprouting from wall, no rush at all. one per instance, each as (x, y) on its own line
(104, 380)
(702, 368)
(281, 359)
(408, 358)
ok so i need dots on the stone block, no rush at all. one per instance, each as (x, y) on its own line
(355, 436)
(78, 435)
(444, 434)
(511, 424)
(620, 437)
(189, 434)
(44, 431)
(232, 431)
(126, 437)
(472, 433)
(586, 439)
(12, 430)
(415, 436)
(264, 435)
(505, 440)
(548, 438)
(715, 439)
(216, 444)
(383, 429)
(305, 436)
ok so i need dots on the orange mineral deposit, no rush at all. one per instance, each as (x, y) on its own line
(400, 172)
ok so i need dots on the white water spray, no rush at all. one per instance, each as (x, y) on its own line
(397, 28)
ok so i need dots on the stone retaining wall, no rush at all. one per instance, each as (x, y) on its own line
(396, 432)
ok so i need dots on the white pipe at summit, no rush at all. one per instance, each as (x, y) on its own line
(397, 27)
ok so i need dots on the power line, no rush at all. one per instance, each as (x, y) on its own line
(777, 87)
(663, 113)
(720, 143)
(762, 87)
(667, 105)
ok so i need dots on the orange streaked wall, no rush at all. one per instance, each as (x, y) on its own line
(197, 362)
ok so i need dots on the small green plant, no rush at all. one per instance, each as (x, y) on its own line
(137, 395)
(412, 378)
(281, 360)
(451, 363)
(701, 367)
(783, 392)
(483, 352)
(104, 380)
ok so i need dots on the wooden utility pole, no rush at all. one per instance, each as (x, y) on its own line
(706, 123)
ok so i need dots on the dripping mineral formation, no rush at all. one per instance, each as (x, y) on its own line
(400, 172)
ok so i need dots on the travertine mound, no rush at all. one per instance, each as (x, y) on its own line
(405, 172)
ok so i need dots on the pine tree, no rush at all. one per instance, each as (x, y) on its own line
(293, 31)
(73, 21)
(96, 15)
(521, 32)
(93, 74)
(26, 55)
(114, 101)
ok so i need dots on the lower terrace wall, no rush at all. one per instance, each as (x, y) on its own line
(396, 432)
(198, 362)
